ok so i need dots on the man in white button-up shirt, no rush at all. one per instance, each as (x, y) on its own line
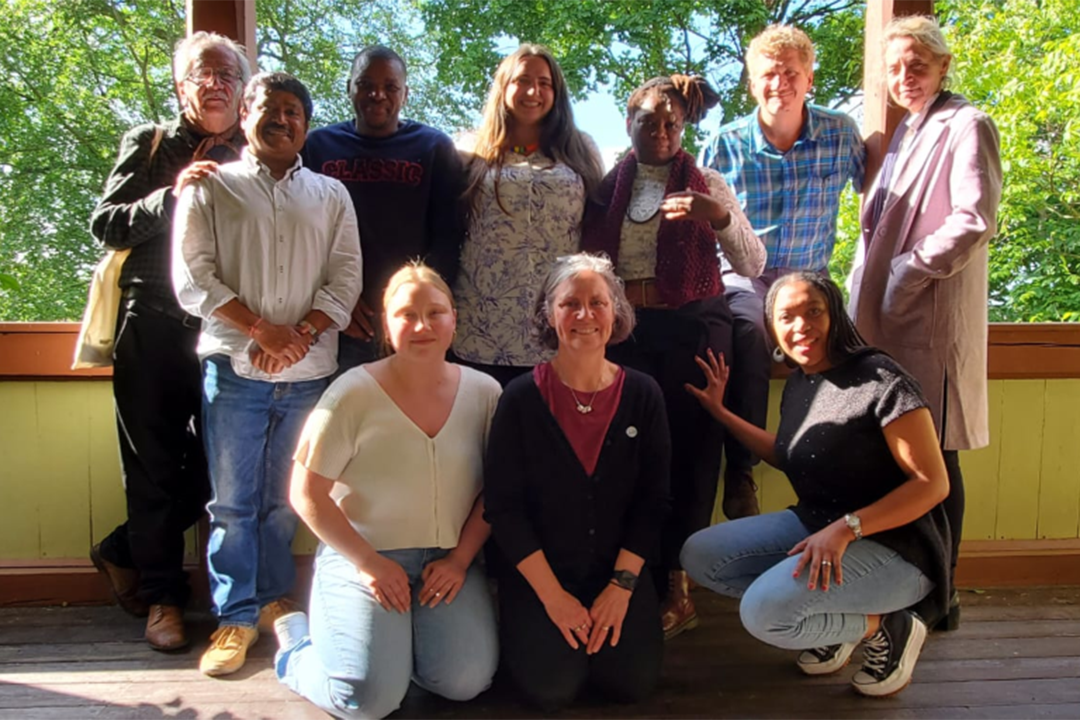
(268, 254)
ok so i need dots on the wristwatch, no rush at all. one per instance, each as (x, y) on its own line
(855, 524)
(308, 328)
(624, 579)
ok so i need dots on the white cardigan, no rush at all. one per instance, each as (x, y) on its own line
(399, 487)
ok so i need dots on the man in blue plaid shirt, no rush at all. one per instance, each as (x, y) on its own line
(787, 162)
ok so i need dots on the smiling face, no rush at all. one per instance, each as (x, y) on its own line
(655, 128)
(210, 92)
(275, 127)
(420, 321)
(583, 314)
(800, 323)
(530, 94)
(378, 92)
(914, 74)
(779, 83)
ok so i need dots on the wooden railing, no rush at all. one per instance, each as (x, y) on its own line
(61, 489)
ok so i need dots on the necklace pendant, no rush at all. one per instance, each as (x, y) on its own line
(584, 409)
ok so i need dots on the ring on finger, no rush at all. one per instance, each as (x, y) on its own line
(826, 563)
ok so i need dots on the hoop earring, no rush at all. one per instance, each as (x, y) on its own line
(778, 355)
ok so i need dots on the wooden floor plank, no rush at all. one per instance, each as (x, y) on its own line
(1016, 655)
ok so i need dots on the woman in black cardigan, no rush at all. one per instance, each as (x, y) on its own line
(576, 486)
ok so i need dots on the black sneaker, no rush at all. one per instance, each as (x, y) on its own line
(889, 655)
(825, 660)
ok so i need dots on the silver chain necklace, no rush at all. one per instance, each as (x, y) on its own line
(582, 407)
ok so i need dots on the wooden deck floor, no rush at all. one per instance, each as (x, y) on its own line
(1017, 655)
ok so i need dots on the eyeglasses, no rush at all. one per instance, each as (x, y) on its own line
(205, 76)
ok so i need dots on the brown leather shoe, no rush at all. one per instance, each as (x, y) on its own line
(271, 611)
(678, 613)
(740, 494)
(124, 583)
(165, 628)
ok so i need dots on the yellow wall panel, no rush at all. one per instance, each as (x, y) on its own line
(1059, 491)
(981, 469)
(1020, 468)
(63, 473)
(19, 488)
(107, 505)
(60, 479)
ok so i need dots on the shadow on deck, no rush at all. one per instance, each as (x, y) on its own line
(1016, 655)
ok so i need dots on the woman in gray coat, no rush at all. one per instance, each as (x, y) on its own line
(919, 285)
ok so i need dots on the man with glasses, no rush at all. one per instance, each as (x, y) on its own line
(405, 179)
(156, 378)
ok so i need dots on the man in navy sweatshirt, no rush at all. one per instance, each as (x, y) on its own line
(405, 180)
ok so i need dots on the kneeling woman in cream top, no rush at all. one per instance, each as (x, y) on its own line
(388, 475)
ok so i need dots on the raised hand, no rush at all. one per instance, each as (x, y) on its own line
(717, 374)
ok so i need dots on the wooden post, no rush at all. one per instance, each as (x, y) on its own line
(880, 117)
(232, 18)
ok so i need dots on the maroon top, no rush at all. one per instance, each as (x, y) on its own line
(585, 431)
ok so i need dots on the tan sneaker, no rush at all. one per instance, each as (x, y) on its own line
(228, 650)
(271, 611)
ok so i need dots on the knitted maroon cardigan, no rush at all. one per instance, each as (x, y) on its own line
(687, 267)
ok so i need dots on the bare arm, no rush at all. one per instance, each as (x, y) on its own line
(309, 494)
(914, 445)
(444, 578)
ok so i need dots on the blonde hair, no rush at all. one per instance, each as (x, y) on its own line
(415, 272)
(559, 137)
(922, 29)
(777, 39)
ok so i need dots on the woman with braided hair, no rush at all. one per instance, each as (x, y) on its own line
(660, 218)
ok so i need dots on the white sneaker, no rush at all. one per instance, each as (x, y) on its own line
(889, 655)
(826, 660)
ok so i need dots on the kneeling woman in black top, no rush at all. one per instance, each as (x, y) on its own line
(576, 485)
(867, 545)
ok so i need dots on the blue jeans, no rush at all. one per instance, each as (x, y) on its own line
(359, 658)
(251, 429)
(747, 558)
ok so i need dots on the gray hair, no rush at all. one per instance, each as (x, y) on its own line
(922, 29)
(567, 268)
(192, 47)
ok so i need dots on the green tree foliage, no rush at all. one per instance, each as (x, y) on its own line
(1019, 60)
(621, 43)
(74, 75)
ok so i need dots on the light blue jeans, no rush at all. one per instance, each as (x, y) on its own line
(360, 657)
(251, 429)
(747, 558)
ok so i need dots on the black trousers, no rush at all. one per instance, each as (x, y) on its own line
(158, 392)
(551, 674)
(664, 345)
(954, 503)
(751, 367)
